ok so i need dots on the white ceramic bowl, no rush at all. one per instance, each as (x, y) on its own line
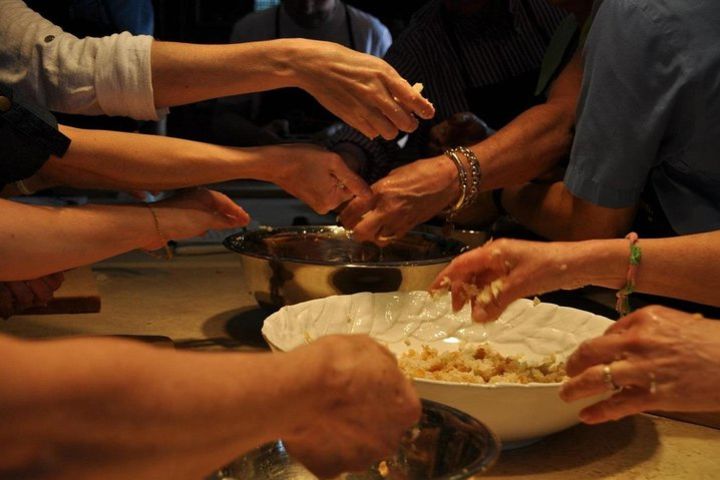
(517, 413)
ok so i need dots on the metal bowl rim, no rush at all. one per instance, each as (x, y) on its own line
(492, 452)
(241, 236)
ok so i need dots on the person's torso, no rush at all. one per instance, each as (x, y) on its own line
(686, 178)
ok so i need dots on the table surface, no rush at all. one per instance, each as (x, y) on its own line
(201, 303)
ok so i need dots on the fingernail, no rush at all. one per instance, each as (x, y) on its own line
(586, 417)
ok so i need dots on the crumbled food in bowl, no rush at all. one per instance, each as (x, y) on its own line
(479, 364)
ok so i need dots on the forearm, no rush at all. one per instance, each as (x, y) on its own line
(117, 160)
(138, 411)
(537, 139)
(36, 241)
(552, 212)
(683, 267)
(527, 147)
(186, 73)
(544, 209)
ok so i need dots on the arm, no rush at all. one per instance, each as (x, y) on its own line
(683, 267)
(664, 359)
(118, 160)
(144, 413)
(535, 140)
(621, 134)
(37, 241)
(524, 149)
(126, 75)
(555, 213)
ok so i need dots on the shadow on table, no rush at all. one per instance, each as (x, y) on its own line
(600, 451)
(231, 329)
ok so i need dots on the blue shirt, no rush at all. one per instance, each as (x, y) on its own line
(649, 110)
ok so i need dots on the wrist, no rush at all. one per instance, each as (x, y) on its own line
(302, 373)
(448, 172)
(265, 163)
(601, 263)
(287, 59)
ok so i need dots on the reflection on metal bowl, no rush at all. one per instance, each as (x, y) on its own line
(447, 445)
(285, 266)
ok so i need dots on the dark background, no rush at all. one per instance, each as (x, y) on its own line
(211, 21)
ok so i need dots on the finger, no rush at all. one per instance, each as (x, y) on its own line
(355, 210)
(624, 373)
(229, 209)
(442, 278)
(352, 181)
(55, 280)
(459, 295)
(622, 404)
(368, 228)
(23, 296)
(6, 302)
(42, 292)
(396, 114)
(487, 312)
(364, 127)
(596, 351)
(408, 97)
(380, 123)
(626, 323)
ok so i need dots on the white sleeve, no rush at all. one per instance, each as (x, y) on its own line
(91, 76)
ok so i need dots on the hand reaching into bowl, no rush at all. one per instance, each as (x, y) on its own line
(315, 175)
(408, 196)
(495, 275)
(356, 407)
(662, 359)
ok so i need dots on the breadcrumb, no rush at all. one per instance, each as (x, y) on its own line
(479, 364)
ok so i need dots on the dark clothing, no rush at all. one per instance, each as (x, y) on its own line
(28, 136)
(98, 18)
(487, 64)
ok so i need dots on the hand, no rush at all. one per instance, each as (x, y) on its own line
(662, 358)
(461, 129)
(358, 409)
(18, 296)
(363, 90)
(316, 176)
(408, 196)
(524, 268)
(193, 212)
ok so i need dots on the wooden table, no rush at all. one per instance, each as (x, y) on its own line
(201, 303)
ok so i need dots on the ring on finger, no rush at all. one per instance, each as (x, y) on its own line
(608, 379)
(653, 383)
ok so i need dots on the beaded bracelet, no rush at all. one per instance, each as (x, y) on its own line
(623, 301)
(462, 178)
(475, 174)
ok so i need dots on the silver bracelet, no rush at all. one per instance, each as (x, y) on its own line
(475, 173)
(462, 178)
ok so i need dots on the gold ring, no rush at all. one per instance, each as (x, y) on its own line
(608, 379)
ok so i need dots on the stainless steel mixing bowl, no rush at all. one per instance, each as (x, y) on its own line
(447, 444)
(289, 265)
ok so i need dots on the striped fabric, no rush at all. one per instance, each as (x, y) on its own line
(502, 43)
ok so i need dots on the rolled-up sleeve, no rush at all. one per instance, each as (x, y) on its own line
(90, 76)
(632, 82)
